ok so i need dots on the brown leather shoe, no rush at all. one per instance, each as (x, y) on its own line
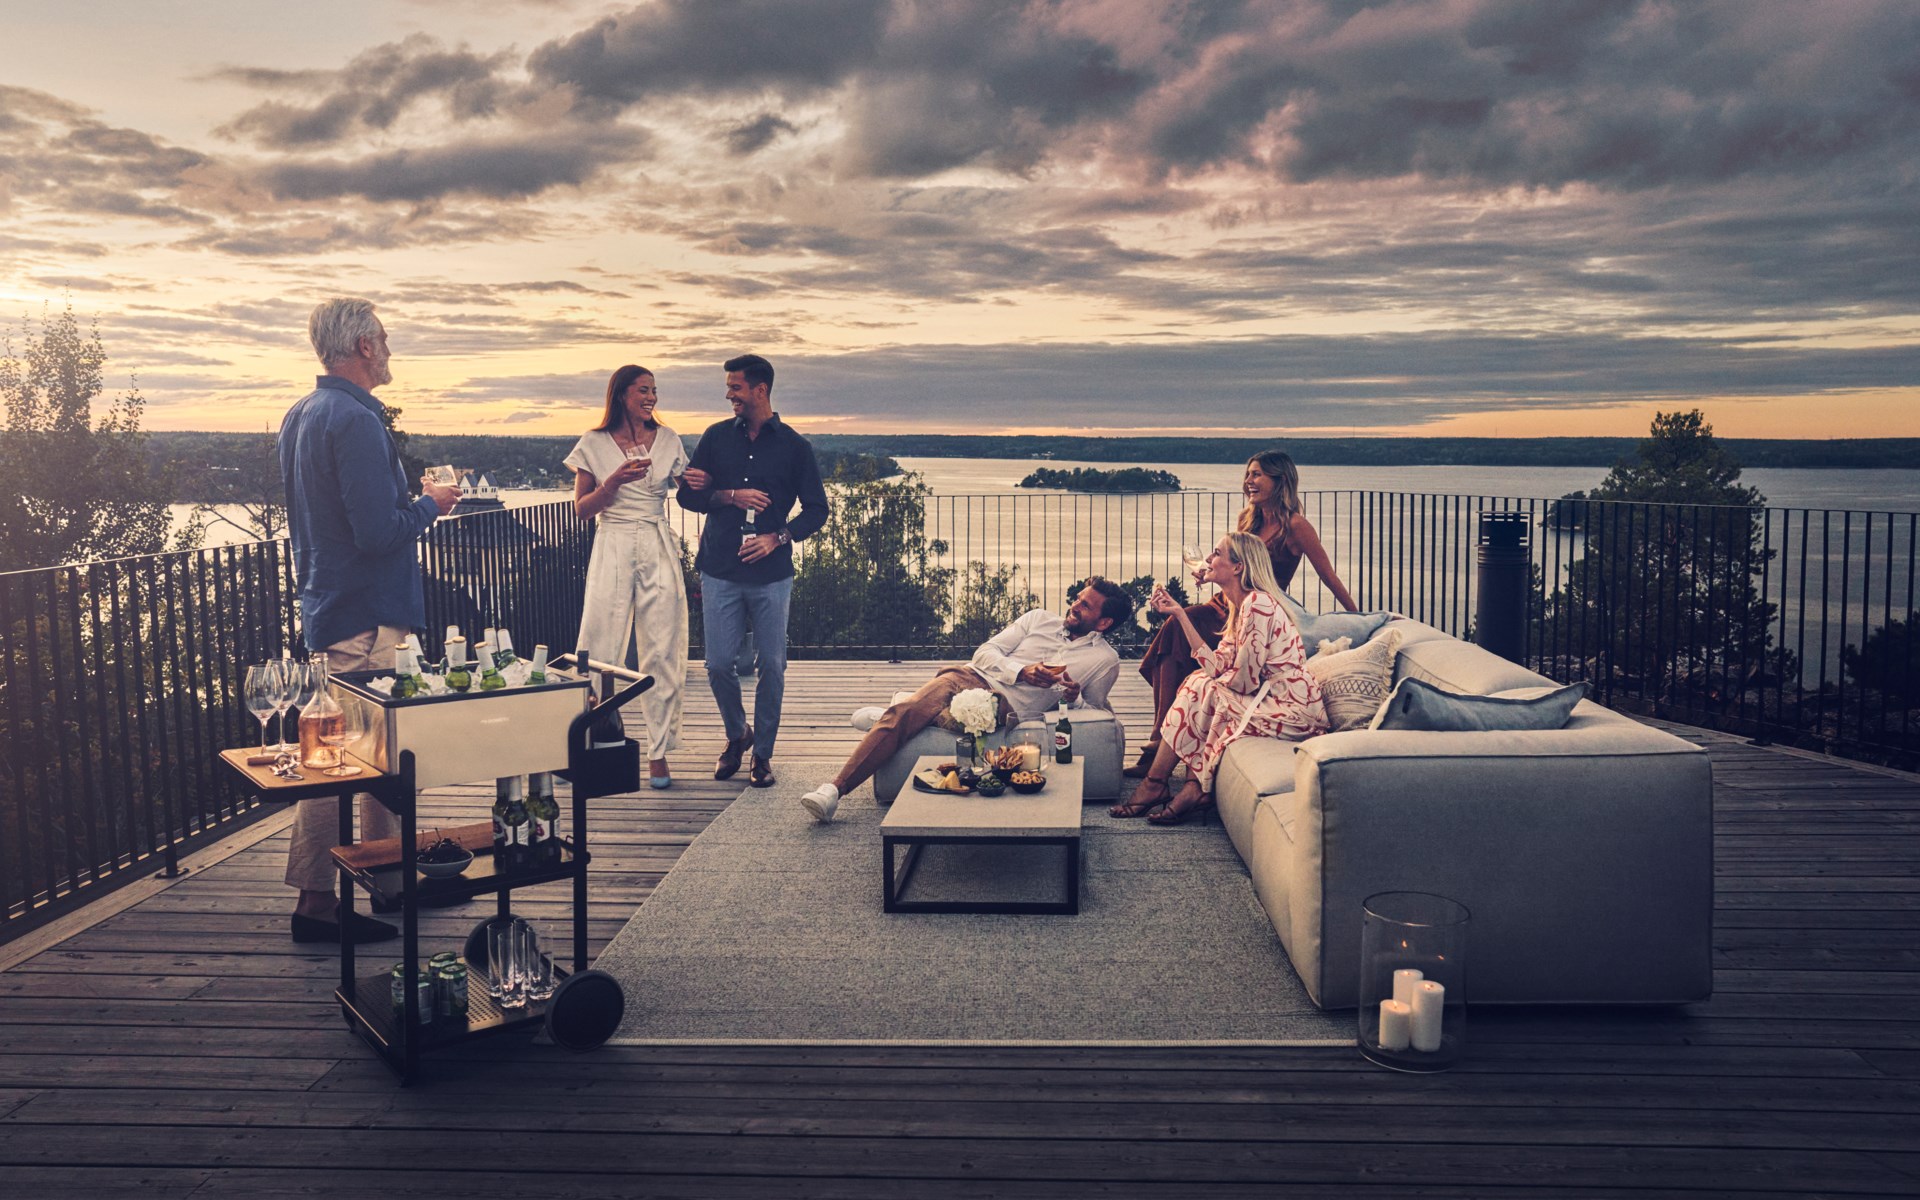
(729, 760)
(760, 774)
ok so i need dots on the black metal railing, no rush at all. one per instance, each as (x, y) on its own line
(120, 680)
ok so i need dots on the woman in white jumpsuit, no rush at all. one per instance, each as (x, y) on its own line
(622, 469)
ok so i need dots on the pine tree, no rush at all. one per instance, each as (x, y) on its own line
(1665, 600)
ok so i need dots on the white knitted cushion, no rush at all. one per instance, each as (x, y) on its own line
(1355, 683)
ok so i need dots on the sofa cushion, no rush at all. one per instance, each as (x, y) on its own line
(1458, 666)
(1252, 768)
(1322, 627)
(1419, 705)
(1354, 683)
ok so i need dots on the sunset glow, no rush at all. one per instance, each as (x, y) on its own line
(1471, 217)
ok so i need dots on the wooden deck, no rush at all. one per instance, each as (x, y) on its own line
(183, 1046)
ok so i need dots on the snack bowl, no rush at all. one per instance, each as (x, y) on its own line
(445, 870)
(1033, 782)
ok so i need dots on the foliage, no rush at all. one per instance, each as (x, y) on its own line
(71, 488)
(1666, 589)
(869, 577)
(1887, 661)
(1090, 479)
(249, 481)
(1566, 514)
(988, 599)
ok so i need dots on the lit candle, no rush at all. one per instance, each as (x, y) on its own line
(1396, 1025)
(1029, 756)
(1403, 982)
(1429, 1003)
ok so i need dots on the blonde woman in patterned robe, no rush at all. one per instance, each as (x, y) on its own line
(1255, 683)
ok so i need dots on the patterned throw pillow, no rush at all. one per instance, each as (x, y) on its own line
(1355, 683)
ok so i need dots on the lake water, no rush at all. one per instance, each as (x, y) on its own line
(1870, 490)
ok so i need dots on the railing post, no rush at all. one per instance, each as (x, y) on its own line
(1500, 611)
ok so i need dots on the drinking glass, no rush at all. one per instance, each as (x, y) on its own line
(261, 690)
(506, 966)
(285, 688)
(1193, 556)
(343, 732)
(443, 475)
(536, 965)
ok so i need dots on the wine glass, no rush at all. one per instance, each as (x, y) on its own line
(285, 687)
(443, 476)
(1194, 557)
(342, 732)
(261, 691)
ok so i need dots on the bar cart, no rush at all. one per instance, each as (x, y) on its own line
(426, 741)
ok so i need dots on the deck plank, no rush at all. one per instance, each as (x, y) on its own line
(186, 1047)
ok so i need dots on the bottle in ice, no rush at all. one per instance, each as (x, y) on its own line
(539, 674)
(458, 678)
(503, 655)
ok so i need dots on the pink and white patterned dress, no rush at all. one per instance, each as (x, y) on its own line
(1254, 684)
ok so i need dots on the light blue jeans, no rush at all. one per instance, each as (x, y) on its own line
(727, 608)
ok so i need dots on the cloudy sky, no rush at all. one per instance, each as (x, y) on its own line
(1479, 217)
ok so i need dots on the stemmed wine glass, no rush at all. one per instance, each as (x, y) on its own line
(261, 691)
(285, 687)
(342, 732)
(1193, 556)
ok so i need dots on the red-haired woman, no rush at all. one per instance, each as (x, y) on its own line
(1273, 514)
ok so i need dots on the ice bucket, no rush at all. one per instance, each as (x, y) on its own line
(466, 737)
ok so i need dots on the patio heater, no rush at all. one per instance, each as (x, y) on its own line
(1500, 609)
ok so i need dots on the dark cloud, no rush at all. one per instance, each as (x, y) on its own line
(370, 93)
(515, 166)
(755, 135)
(1359, 382)
(743, 48)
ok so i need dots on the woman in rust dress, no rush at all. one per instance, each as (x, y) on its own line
(1273, 515)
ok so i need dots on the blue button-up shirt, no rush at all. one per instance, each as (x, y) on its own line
(352, 522)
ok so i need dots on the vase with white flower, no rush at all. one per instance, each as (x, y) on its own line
(977, 711)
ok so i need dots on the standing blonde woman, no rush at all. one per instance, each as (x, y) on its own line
(622, 470)
(1273, 514)
(1254, 683)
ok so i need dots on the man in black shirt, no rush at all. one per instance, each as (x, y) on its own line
(746, 475)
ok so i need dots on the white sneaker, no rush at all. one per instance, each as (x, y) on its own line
(822, 802)
(865, 718)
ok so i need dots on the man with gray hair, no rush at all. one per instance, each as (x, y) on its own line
(353, 526)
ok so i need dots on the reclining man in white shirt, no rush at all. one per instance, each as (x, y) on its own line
(1036, 664)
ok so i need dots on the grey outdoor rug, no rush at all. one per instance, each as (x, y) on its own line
(769, 929)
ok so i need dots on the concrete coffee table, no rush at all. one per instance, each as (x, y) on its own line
(919, 819)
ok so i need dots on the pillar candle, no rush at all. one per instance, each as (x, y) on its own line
(1429, 1003)
(1396, 1025)
(1403, 982)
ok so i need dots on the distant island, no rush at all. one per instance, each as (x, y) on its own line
(1089, 479)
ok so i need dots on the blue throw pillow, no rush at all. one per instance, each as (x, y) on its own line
(1418, 705)
(1326, 627)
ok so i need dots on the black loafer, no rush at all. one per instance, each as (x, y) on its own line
(729, 760)
(760, 774)
(361, 930)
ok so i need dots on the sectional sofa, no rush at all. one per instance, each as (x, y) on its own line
(1585, 853)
